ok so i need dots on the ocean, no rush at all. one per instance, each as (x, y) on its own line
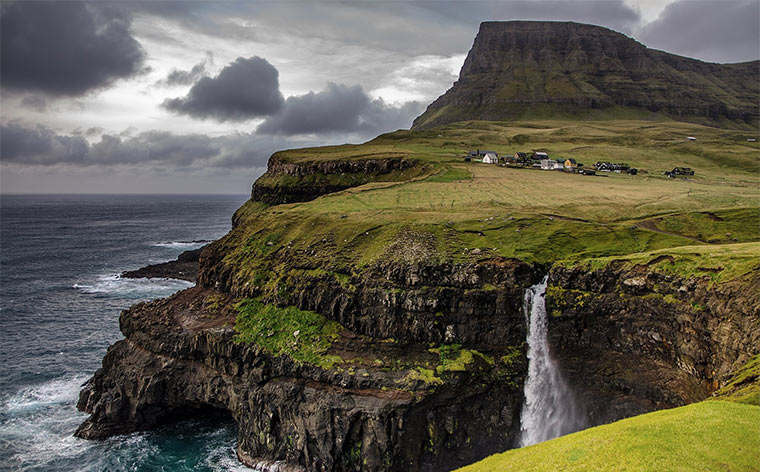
(60, 300)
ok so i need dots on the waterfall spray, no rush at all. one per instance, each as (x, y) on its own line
(550, 409)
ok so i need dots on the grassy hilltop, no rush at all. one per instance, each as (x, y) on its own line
(444, 208)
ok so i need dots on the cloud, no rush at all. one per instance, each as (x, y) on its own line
(34, 102)
(187, 77)
(245, 89)
(65, 48)
(711, 30)
(338, 109)
(37, 145)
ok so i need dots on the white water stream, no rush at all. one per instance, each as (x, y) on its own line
(550, 409)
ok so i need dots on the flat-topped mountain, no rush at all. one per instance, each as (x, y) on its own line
(544, 69)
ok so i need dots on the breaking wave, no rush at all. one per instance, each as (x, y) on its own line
(183, 244)
(118, 287)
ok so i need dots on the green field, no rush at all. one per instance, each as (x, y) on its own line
(710, 435)
(450, 207)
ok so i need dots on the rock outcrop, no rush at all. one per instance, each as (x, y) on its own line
(532, 69)
(637, 340)
(290, 182)
(390, 403)
(185, 267)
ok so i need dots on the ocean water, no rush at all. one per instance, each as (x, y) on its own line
(60, 299)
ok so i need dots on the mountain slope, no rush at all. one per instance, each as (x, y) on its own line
(539, 69)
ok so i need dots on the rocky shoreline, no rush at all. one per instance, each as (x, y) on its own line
(185, 267)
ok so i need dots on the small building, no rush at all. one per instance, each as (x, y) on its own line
(537, 156)
(586, 172)
(677, 171)
(479, 153)
(519, 158)
(611, 167)
(490, 158)
(551, 164)
(691, 138)
(751, 140)
(467, 158)
(570, 164)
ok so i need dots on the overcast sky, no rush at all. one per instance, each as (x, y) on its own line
(193, 97)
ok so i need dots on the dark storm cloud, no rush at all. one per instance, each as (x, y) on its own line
(245, 89)
(185, 77)
(65, 48)
(338, 109)
(711, 30)
(40, 146)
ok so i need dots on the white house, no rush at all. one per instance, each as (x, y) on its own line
(490, 158)
(551, 164)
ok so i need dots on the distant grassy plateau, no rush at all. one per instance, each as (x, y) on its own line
(534, 215)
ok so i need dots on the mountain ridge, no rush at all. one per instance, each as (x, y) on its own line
(529, 69)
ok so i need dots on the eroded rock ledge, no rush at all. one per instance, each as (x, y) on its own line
(638, 340)
(384, 407)
(287, 182)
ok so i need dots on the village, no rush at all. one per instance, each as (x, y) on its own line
(540, 160)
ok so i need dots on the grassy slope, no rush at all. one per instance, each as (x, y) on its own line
(717, 434)
(710, 435)
(744, 387)
(532, 215)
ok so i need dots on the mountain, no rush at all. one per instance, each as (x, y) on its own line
(545, 69)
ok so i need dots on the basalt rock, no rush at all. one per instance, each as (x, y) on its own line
(289, 182)
(637, 340)
(545, 69)
(179, 358)
(185, 267)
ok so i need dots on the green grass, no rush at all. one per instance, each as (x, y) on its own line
(720, 263)
(711, 435)
(453, 207)
(304, 336)
(744, 387)
(451, 174)
(722, 226)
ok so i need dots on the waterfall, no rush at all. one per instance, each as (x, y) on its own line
(550, 409)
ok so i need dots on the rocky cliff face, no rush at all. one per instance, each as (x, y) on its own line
(548, 69)
(637, 340)
(630, 341)
(288, 182)
(388, 404)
